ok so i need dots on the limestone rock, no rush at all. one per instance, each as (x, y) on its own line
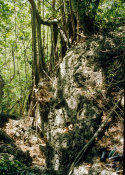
(106, 172)
(95, 170)
(72, 106)
(81, 170)
(122, 102)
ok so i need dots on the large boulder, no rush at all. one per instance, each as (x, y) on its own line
(74, 115)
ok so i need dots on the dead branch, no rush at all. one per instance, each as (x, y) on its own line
(47, 76)
(84, 149)
(31, 108)
(17, 102)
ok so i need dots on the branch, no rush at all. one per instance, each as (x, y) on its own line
(44, 22)
(17, 101)
(84, 149)
(63, 35)
(49, 22)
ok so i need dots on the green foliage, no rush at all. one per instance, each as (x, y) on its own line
(110, 14)
(10, 167)
(5, 10)
(15, 33)
(86, 12)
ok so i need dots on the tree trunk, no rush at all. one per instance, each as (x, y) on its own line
(1, 88)
(35, 76)
(40, 59)
(54, 37)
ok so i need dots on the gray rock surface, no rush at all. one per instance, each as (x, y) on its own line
(81, 170)
(74, 116)
(107, 172)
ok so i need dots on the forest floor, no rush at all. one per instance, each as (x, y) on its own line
(27, 139)
(111, 146)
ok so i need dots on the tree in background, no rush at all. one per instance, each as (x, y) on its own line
(15, 54)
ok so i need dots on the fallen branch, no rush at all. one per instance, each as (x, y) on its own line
(84, 149)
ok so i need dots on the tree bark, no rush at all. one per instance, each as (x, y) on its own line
(1, 87)
(40, 59)
(44, 22)
(35, 77)
(14, 66)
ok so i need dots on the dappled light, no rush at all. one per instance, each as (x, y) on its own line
(62, 87)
